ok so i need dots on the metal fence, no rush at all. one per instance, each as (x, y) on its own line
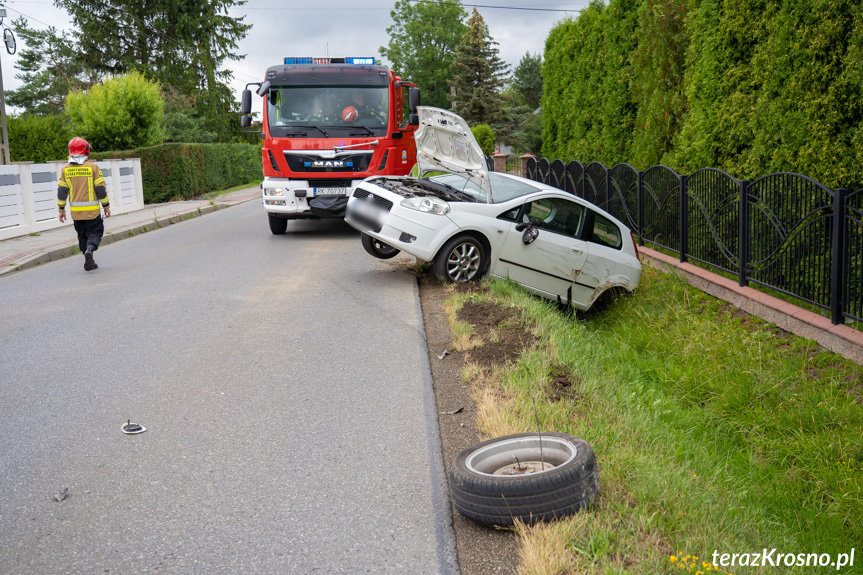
(783, 231)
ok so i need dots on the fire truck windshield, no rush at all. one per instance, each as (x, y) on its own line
(341, 110)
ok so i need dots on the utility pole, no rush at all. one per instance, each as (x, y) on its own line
(4, 144)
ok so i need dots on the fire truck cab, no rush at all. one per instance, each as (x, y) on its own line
(328, 123)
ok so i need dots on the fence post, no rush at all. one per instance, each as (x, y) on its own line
(743, 234)
(607, 205)
(500, 162)
(684, 219)
(524, 160)
(640, 191)
(836, 272)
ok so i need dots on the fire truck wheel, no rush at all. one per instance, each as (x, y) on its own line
(277, 225)
(377, 248)
(511, 477)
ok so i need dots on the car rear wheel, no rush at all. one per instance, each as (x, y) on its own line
(462, 259)
(527, 476)
(378, 248)
(277, 225)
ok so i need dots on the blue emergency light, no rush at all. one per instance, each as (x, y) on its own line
(353, 60)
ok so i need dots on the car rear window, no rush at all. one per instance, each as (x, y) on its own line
(605, 233)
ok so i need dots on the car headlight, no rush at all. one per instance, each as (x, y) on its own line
(427, 205)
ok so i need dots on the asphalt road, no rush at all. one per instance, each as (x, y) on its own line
(285, 388)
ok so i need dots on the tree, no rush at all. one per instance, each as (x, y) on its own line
(527, 79)
(182, 121)
(50, 68)
(422, 45)
(478, 75)
(123, 113)
(180, 43)
(484, 136)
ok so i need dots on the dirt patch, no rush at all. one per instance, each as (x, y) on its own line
(481, 550)
(500, 330)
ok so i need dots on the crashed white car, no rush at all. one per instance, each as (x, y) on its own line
(470, 222)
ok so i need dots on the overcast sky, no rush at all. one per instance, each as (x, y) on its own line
(332, 27)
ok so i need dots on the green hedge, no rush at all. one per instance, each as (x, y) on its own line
(184, 171)
(38, 139)
(748, 86)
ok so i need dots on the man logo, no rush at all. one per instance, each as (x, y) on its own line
(328, 164)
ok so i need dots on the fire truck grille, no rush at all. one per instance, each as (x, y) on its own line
(317, 164)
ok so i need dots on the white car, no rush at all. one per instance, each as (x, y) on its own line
(470, 222)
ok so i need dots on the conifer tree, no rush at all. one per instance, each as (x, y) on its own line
(478, 75)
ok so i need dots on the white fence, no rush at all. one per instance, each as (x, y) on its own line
(28, 194)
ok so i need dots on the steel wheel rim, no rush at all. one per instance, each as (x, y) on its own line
(494, 458)
(382, 247)
(462, 265)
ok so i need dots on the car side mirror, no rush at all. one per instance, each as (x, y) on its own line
(520, 227)
(529, 235)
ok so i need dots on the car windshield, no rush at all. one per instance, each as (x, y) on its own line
(328, 111)
(503, 187)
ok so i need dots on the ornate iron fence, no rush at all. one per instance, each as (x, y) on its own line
(783, 231)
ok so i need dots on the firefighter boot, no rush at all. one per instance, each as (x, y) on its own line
(89, 264)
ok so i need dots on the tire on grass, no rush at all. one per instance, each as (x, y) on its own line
(462, 259)
(564, 478)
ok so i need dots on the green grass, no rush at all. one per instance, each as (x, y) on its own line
(713, 431)
(212, 195)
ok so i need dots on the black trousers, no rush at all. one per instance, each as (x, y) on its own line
(90, 233)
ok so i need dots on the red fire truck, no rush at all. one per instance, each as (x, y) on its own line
(327, 124)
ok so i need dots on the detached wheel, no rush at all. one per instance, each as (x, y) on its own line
(277, 225)
(505, 478)
(462, 259)
(377, 248)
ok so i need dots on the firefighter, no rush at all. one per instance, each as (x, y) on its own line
(82, 183)
(366, 109)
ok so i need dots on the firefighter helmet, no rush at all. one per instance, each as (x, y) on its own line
(79, 147)
(350, 114)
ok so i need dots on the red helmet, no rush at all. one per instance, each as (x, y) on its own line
(350, 114)
(79, 147)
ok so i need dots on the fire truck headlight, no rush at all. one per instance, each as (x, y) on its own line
(273, 191)
(427, 205)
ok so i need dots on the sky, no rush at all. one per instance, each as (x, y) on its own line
(334, 28)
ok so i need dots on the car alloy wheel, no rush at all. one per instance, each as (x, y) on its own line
(460, 260)
(529, 476)
(378, 248)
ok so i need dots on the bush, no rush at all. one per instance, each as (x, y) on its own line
(124, 112)
(484, 137)
(38, 139)
(184, 171)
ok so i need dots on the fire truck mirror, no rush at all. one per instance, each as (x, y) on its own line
(415, 119)
(265, 87)
(413, 101)
(246, 103)
(245, 121)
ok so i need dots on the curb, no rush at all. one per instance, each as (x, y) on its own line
(841, 339)
(58, 253)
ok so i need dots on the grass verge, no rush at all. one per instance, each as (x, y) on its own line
(713, 430)
(211, 195)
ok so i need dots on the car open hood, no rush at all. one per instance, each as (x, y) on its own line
(445, 143)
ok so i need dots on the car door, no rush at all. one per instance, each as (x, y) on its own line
(551, 264)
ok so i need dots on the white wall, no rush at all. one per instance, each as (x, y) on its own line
(28, 194)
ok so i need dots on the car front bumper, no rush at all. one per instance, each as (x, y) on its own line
(379, 213)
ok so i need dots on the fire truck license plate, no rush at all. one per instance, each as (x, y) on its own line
(331, 191)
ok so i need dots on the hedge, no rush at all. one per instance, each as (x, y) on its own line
(182, 171)
(747, 86)
(38, 139)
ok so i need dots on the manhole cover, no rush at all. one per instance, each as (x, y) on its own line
(130, 428)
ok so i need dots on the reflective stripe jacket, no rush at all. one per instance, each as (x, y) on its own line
(84, 186)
